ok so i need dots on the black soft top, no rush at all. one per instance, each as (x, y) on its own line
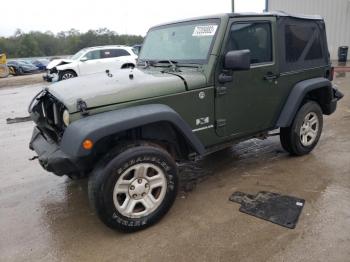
(277, 14)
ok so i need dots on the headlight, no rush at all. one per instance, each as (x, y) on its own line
(65, 117)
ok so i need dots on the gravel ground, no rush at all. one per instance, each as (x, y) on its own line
(16, 81)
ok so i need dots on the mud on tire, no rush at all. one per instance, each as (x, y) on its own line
(116, 169)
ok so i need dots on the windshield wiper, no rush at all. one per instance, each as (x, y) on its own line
(145, 63)
(173, 64)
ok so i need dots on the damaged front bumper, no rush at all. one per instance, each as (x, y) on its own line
(51, 76)
(52, 159)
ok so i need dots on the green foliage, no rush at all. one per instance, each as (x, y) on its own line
(36, 43)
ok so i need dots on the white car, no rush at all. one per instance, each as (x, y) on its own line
(91, 60)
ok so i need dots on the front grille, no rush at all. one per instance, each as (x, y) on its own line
(47, 113)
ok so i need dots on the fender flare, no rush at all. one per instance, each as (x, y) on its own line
(297, 95)
(98, 126)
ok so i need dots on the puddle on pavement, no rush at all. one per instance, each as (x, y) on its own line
(248, 152)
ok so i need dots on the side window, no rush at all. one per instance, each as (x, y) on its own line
(255, 36)
(106, 53)
(93, 55)
(120, 52)
(302, 42)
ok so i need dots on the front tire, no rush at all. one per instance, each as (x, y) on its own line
(20, 71)
(135, 188)
(67, 74)
(304, 133)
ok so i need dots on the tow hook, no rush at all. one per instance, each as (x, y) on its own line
(33, 158)
(82, 107)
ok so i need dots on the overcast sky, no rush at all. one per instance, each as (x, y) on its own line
(122, 16)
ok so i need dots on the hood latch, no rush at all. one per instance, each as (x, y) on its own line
(82, 107)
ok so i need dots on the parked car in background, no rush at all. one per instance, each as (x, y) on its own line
(136, 49)
(21, 67)
(40, 63)
(4, 71)
(91, 60)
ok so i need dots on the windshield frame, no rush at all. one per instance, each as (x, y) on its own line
(216, 21)
(82, 51)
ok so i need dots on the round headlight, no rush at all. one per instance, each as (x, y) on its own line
(65, 117)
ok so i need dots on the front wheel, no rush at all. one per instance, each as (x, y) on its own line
(20, 71)
(303, 135)
(134, 189)
(67, 74)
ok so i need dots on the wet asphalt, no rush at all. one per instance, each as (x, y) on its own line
(48, 218)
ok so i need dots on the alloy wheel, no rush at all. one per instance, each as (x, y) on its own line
(139, 190)
(309, 129)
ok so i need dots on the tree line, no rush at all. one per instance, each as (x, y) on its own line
(35, 43)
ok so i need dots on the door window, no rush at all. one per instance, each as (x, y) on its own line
(92, 55)
(106, 53)
(120, 52)
(109, 53)
(255, 36)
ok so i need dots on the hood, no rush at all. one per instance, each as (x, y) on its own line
(57, 62)
(121, 86)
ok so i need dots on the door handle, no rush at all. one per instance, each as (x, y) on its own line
(271, 76)
(223, 78)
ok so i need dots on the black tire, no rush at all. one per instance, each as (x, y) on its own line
(20, 71)
(66, 74)
(105, 176)
(290, 137)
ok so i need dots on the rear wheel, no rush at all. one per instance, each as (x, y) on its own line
(67, 74)
(4, 71)
(303, 135)
(135, 188)
(129, 65)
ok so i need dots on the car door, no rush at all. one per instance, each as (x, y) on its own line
(91, 63)
(107, 58)
(121, 57)
(246, 102)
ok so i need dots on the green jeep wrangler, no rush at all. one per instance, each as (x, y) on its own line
(200, 85)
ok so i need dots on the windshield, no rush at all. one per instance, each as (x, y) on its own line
(78, 55)
(186, 42)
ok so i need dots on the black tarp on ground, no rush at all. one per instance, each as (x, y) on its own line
(279, 209)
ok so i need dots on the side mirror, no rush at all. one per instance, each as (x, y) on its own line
(237, 60)
(83, 59)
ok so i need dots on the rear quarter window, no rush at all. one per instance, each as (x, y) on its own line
(302, 43)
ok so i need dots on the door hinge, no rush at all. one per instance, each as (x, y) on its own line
(221, 122)
(221, 90)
